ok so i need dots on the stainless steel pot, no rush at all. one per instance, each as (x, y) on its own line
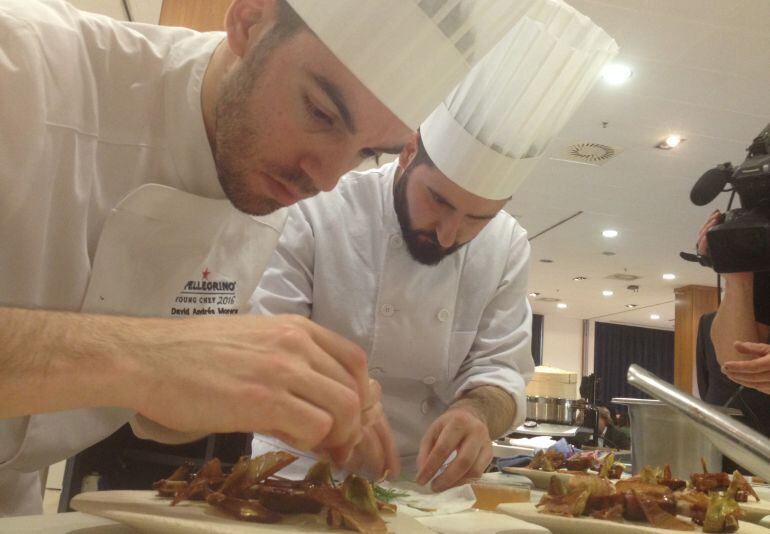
(555, 410)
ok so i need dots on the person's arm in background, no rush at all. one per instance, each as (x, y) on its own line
(735, 319)
(739, 339)
(701, 356)
(489, 397)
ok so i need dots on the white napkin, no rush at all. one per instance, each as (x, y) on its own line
(421, 501)
(535, 443)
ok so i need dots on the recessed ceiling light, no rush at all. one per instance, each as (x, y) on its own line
(616, 73)
(654, 316)
(608, 293)
(672, 141)
(561, 305)
(580, 278)
(631, 305)
(610, 233)
(534, 294)
(669, 276)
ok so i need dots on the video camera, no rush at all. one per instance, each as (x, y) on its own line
(741, 242)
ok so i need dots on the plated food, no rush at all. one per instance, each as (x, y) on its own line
(546, 464)
(577, 463)
(655, 497)
(251, 493)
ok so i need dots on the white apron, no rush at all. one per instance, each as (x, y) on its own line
(162, 253)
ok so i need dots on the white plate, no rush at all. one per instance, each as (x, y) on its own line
(540, 479)
(480, 522)
(146, 512)
(587, 525)
(763, 490)
(755, 511)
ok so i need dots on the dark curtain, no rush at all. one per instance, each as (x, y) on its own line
(537, 338)
(616, 347)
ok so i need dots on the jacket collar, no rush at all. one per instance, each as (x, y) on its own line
(188, 142)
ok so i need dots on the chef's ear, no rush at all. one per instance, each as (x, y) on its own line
(409, 151)
(247, 22)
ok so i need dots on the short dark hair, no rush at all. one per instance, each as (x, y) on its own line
(288, 22)
(421, 157)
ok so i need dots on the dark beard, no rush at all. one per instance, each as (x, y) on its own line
(423, 245)
(237, 139)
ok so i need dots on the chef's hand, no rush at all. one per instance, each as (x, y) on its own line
(376, 455)
(458, 429)
(754, 373)
(371, 414)
(280, 375)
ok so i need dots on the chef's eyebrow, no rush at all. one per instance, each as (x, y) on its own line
(335, 95)
(442, 199)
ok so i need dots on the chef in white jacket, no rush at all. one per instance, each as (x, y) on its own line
(141, 172)
(417, 262)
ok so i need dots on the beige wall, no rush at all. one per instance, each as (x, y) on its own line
(563, 343)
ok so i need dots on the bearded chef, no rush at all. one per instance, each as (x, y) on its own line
(142, 169)
(417, 263)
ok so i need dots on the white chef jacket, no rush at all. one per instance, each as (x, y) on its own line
(430, 332)
(90, 110)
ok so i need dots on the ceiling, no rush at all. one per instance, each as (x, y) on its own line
(700, 68)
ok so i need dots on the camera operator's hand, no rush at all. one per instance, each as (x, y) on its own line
(753, 373)
(714, 219)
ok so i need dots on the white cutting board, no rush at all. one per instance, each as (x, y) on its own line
(587, 525)
(146, 512)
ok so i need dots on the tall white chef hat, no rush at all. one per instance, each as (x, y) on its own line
(488, 133)
(410, 53)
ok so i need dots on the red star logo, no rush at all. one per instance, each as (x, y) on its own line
(206, 273)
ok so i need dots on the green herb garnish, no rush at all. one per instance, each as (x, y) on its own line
(387, 495)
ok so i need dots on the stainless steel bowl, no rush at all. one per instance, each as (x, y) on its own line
(660, 435)
(744, 445)
(555, 410)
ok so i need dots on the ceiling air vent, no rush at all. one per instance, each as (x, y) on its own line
(623, 276)
(591, 153)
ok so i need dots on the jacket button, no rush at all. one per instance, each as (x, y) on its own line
(424, 406)
(443, 314)
(429, 380)
(387, 310)
(396, 241)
